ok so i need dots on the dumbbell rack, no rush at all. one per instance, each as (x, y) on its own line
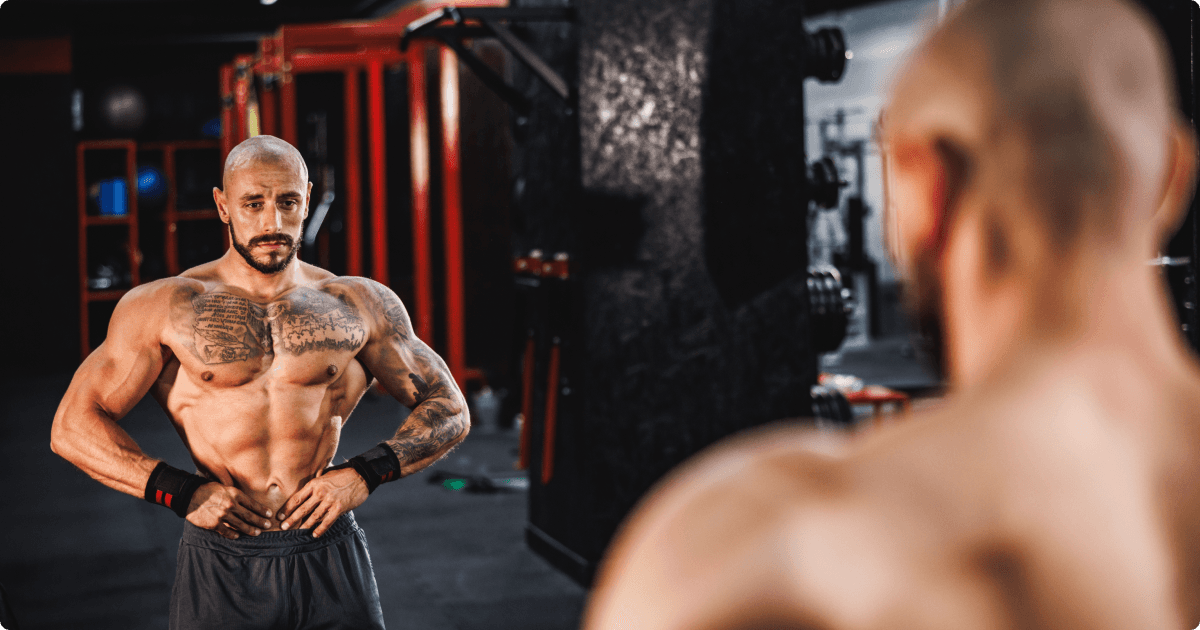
(130, 220)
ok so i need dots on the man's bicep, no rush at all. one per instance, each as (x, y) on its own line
(404, 365)
(385, 360)
(116, 375)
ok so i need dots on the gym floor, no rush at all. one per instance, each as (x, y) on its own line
(76, 554)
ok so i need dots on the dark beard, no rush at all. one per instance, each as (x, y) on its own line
(268, 269)
(923, 299)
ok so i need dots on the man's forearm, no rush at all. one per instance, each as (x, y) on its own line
(431, 430)
(97, 445)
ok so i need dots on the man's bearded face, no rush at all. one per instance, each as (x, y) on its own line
(267, 253)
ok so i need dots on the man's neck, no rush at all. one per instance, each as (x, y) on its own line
(1083, 310)
(235, 271)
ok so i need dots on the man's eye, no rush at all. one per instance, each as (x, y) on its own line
(287, 203)
(254, 204)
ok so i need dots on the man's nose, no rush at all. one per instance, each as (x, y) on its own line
(272, 218)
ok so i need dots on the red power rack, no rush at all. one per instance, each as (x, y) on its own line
(369, 47)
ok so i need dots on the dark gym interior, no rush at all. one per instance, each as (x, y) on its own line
(631, 227)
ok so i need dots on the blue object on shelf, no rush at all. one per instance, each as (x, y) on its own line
(114, 197)
(212, 128)
(151, 184)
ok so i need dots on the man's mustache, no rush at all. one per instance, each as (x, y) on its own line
(282, 239)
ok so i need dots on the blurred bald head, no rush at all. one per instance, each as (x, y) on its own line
(266, 151)
(1061, 108)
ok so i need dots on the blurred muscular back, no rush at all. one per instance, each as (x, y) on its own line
(1034, 163)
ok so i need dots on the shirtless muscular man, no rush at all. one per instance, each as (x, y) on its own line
(258, 360)
(1034, 163)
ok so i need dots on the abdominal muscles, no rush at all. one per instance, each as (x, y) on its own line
(266, 437)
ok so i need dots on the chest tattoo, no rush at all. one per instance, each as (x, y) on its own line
(228, 328)
(311, 320)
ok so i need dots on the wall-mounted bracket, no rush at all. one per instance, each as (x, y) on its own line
(452, 25)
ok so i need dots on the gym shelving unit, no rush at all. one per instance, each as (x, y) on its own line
(130, 220)
(172, 215)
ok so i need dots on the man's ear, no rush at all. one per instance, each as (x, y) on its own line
(219, 198)
(1180, 184)
(920, 190)
(307, 201)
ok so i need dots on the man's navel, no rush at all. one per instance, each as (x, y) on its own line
(275, 497)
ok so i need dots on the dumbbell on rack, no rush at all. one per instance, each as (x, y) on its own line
(831, 405)
(829, 309)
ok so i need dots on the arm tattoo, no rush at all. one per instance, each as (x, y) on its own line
(398, 323)
(438, 416)
(431, 426)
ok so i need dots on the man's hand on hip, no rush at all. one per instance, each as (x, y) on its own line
(323, 499)
(227, 511)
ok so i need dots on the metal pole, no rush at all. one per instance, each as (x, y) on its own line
(227, 131)
(378, 149)
(81, 188)
(353, 177)
(452, 216)
(169, 218)
(135, 252)
(419, 159)
(287, 107)
(268, 103)
(241, 99)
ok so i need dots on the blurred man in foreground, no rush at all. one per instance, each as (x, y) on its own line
(1034, 162)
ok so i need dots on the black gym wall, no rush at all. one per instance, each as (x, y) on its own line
(39, 255)
(685, 318)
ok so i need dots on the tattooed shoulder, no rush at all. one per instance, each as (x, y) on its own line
(383, 301)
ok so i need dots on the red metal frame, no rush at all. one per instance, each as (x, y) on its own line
(353, 175)
(378, 148)
(371, 46)
(419, 159)
(227, 133)
(242, 78)
(172, 215)
(526, 403)
(268, 104)
(130, 221)
(287, 107)
(452, 214)
(551, 414)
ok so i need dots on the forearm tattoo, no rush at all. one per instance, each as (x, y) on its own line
(438, 417)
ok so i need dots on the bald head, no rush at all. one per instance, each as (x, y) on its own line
(1062, 108)
(263, 150)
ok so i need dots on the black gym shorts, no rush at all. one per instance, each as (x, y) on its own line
(275, 580)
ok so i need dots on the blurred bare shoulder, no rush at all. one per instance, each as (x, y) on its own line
(720, 531)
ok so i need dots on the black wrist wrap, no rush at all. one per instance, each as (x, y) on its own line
(375, 466)
(172, 488)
